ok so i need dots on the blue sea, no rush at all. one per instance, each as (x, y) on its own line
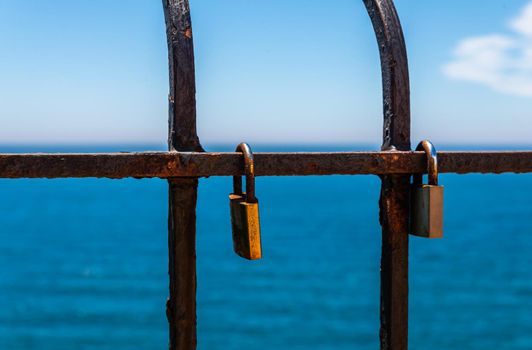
(83, 265)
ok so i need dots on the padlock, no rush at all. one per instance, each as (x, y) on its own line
(426, 206)
(245, 211)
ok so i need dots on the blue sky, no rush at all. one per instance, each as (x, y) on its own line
(278, 71)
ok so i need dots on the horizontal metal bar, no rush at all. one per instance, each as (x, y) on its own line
(191, 164)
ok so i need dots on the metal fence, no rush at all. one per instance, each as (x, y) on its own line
(186, 161)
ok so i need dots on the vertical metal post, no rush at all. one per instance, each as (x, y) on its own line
(394, 200)
(181, 305)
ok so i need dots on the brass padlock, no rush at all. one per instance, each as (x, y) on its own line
(426, 206)
(245, 211)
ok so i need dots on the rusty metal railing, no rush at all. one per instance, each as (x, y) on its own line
(194, 164)
(186, 161)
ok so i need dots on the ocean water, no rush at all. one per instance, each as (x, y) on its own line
(83, 265)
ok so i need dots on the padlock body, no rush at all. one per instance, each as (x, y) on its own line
(246, 227)
(426, 211)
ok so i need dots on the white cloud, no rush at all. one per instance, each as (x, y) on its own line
(501, 62)
(523, 23)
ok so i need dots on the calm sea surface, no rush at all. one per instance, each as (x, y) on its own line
(83, 265)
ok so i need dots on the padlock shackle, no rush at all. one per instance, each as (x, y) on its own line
(432, 163)
(249, 170)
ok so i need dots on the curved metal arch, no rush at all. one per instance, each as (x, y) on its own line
(394, 200)
(395, 76)
(181, 307)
